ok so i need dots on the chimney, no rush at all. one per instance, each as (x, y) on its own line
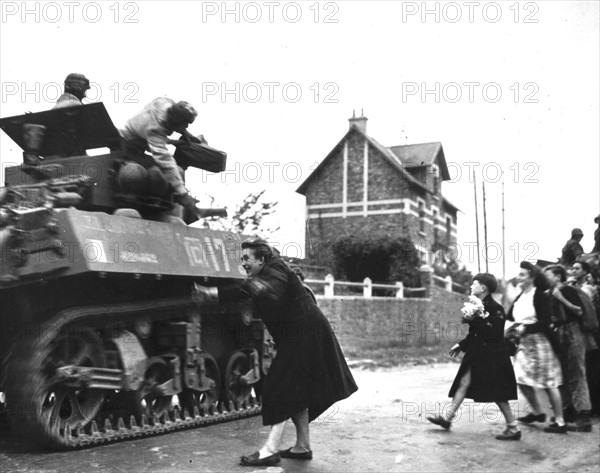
(360, 122)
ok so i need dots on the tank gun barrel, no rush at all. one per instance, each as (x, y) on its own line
(211, 212)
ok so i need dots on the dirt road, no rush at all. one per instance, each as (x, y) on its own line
(382, 428)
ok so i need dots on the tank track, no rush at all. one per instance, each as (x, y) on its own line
(108, 429)
(117, 433)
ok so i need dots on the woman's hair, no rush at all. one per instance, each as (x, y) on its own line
(535, 272)
(558, 270)
(488, 280)
(585, 266)
(260, 248)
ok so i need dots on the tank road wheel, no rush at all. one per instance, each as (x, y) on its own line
(148, 400)
(204, 399)
(237, 365)
(42, 406)
(211, 397)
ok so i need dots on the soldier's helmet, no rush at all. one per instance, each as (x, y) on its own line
(76, 81)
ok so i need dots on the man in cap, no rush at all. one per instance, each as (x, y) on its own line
(572, 249)
(75, 87)
(150, 129)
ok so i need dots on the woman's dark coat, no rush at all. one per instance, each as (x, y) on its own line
(492, 374)
(309, 370)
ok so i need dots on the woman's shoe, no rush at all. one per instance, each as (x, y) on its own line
(531, 417)
(556, 429)
(439, 420)
(253, 460)
(307, 455)
(509, 435)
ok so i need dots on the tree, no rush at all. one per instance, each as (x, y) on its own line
(445, 263)
(247, 217)
(462, 276)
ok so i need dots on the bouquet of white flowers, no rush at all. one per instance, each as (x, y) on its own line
(473, 308)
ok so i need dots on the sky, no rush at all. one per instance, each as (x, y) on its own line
(510, 89)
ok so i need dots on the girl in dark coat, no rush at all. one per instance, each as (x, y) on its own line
(486, 373)
(309, 373)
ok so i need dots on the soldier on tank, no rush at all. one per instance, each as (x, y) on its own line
(76, 86)
(150, 130)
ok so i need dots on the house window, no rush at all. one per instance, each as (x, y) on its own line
(421, 217)
(435, 230)
(448, 229)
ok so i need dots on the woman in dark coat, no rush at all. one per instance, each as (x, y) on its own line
(486, 373)
(309, 373)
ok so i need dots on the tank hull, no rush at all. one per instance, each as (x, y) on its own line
(102, 334)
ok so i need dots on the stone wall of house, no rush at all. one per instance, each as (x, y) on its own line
(326, 185)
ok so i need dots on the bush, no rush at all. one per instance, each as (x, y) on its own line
(384, 260)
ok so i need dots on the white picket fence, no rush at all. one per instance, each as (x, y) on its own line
(445, 282)
(329, 285)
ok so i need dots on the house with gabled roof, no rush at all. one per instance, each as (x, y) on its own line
(365, 188)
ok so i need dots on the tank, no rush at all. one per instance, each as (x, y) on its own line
(102, 335)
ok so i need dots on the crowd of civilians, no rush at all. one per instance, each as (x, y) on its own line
(555, 322)
(551, 332)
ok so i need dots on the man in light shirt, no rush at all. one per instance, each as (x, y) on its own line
(150, 130)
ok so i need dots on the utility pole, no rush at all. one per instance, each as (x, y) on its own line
(485, 228)
(476, 223)
(503, 238)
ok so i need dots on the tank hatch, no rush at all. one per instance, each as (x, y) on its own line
(63, 132)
